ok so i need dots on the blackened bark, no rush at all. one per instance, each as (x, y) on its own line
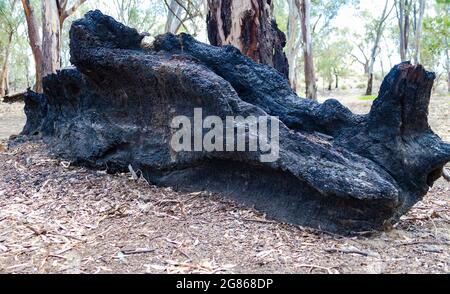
(336, 171)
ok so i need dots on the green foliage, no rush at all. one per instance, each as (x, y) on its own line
(332, 48)
(281, 14)
(367, 98)
(436, 36)
(325, 11)
(11, 17)
(142, 15)
(332, 59)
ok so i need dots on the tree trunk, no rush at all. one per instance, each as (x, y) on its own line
(304, 7)
(173, 17)
(337, 81)
(373, 55)
(249, 26)
(293, 44)
(418, 34)
(403, 8)
(369, 85)
(47, 50)
(35, 42)
(406, 27)
(27, 73)
(5, 67)
(447, 62)
(7, 83)
(448, 80)
(51, 37)
(366, 68)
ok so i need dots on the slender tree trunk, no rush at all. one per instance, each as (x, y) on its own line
(448, 80)
(121, 9)
(400, 4)
(337, 81)
(249, 26)
(5, 67)
(407, 26)
(447, 62)
(51, 37)
(418, 34)
(369, 85)
(47, 50)
(293, 43)
(373, 55)
(403, 8)
(4, 83)
(27, 73)
(35, 42)
(7, 81)
(304, 7)
(366, 68)
(173, 17)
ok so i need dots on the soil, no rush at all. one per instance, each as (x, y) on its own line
(59, 218)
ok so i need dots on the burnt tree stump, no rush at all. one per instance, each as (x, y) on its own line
(337, 171)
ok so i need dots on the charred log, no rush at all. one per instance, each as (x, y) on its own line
(446, 174)
(336, 171)
(14, 98)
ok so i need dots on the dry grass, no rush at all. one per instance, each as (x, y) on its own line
(57, 218)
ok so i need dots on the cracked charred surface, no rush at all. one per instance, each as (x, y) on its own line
(337, 171)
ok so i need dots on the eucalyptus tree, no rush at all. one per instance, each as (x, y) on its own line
(248, 25)
(10, 19)
(45, 40)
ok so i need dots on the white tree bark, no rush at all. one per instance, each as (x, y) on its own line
(173, 21)
(51, 37)
(35, 42)
(293, 43)
(5, 67)
(418, 34)
(47, 49)
(376, 45)
(304, 8)
(403, 8)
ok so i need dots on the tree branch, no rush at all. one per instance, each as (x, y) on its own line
(71, 10)
(355, 58)
(176, 15)
(315, 24)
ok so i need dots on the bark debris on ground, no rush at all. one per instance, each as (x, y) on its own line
(59, 218)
